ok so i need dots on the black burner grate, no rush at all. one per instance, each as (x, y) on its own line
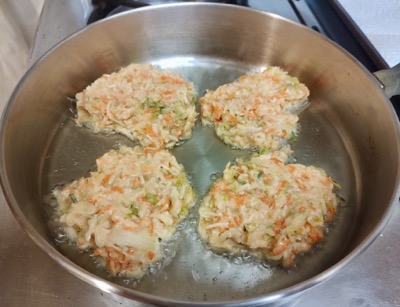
(104, 8)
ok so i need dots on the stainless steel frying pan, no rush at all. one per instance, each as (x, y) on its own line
(350, 130)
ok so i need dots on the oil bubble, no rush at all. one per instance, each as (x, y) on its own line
(215, 176)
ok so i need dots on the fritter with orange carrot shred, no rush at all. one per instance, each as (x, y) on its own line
(258, 110)
(127, 208)
(143, 102)
(271, 209)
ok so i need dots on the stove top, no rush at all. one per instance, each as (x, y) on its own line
(30, 278)
(325, 17)
(105, 8)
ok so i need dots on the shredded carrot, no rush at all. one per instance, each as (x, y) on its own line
(137, 182)
(276, 160)
(240, 199)
(315, 235)
(110, 249)
(150, 255)
(331, 212)
(106, 178)
(168, 176)
(92, 200)
(232, 118)
(149, 130)
(104, 209)
(97, 252)
(328, 180)
(167, 92)
(280, 248)
(217, 110)
(283, 185)
(129, 228)
(266, 200)
(301, 185)
(163, 207)
(117, 188)
(238, 220)
(147, 150)
(151, 227)
(279, 224)
(114, 219)
(167, 117)
(275, 78)
(171, 80)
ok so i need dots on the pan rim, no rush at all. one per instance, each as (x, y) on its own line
(131, 293)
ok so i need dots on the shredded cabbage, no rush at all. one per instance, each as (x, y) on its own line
(134, 200)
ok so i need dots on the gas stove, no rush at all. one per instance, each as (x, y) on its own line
(31, 278)
(327, 17)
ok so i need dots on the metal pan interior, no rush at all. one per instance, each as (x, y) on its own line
(205, 274)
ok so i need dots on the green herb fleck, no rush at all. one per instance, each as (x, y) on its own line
(152, 104)
(134, 211)
(183, 212)
(73, 198)
(250, 227)
(264, 151)
(180, 180)
(260, 174)
(151, 198)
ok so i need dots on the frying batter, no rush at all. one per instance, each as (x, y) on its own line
(256, 111)
(126, 208)
(141, 101)
(271, 209)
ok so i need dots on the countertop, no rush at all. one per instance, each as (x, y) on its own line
(380, 22)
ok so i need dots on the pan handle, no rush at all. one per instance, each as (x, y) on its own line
(390, 80)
